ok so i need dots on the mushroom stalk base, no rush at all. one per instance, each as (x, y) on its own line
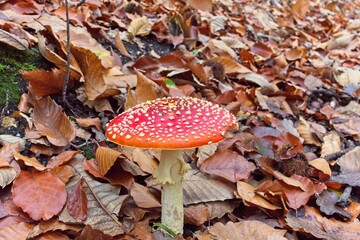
(170, 174)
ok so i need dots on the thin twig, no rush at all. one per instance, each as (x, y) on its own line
(67, 74)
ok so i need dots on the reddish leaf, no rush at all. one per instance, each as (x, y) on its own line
(142, 230)
(32, 162)
(295, 197)
(40, 194)
(89, 122)
(77, 202)
(229, 165)
(6, 152)
(63, 172)
(196, 214)
(261, 50)
(44, 83)
(89, 233)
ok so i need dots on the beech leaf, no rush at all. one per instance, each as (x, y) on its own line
(40, 194)
(106, 157)
(104, 201)
(229, 165)
(77, 202)
(18, 231)
(7, 175)
(143, 197)
(51, 122)
(200, 188)
(246, 230)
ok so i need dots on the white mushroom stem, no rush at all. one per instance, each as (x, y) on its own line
(170, 174)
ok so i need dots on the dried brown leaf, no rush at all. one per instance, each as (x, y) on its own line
(106, 157)
(321, 227)
(31, 162)
(63, 172)
(51, 226)
(62, 158)
(89, 233)
(104, 202)
(196, 214)
(145, 161)
(229, 165)
(7, 176)
(89, 122)
(331, 144)
(143, 197)
(18, 231)
(51, 122)
(247, 193)
(327, 201)
(245, 230)
(200, 188)
(40, 194)
(142, 230)
(120, 46)
(44, 83)
(300, 8)
(77, 202)
(6, 152)
(140, 26)
(322, 165)
(295, 197)
(205, 5)
(13, 40)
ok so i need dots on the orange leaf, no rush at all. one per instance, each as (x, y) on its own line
(40, 194)
(62, 158)
(44, 83)
(63, 172)
(19, 231)
(229, 165)
(31, 162)
(248, 195)
(142, 230)
(120, 46)
(93, 70)
(77, 202)
(6, 152)
(230, 65)
(300, 8)
(89, 233)
(203, 5)
(89, 122)
(51, 122)
(106, 157)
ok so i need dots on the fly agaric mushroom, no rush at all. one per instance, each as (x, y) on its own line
(171, 124)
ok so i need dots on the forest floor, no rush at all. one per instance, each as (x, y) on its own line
(289, 71)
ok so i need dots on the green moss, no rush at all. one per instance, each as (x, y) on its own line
(88, 151)
(13, 61)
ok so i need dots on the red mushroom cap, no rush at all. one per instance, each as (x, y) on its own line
(171, 123)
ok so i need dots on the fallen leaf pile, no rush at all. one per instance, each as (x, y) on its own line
(288, 70)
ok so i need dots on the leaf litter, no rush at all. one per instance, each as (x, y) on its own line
(289, 72)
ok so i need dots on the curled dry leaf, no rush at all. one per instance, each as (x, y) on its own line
(106, 157)
(120, 46)
(143, 197)
(89, 122)
(52, 225)
(140, 26)
(300, 8)
(51, 122)
(350, 162)
(229, 165)
(77, 202)
(247, 193)
(142, 230)
(295, 197)
(230, 65)
(44, 83)
(40, 194)
(245, 230)
(145, 161)
(205, 5)
(63, 172)
(93, 70)
(13, 40)
(331, 144)
(321, 227)
(322, 165)
(62, 158)
(7, 176)
(31, 162)
(196, 214)
(6, 152)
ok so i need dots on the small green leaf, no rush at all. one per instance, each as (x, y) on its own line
(158, 225)
(169, 83)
